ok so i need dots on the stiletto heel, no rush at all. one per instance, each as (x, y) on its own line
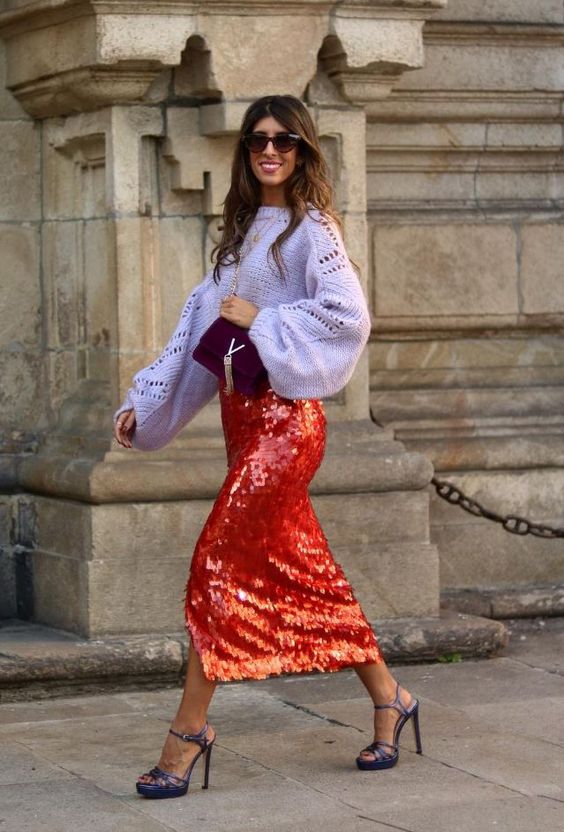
(387, 759)
(207, 766)
(418, 745)
(173, 785)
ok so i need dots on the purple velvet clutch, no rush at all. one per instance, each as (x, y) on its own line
(226, 350)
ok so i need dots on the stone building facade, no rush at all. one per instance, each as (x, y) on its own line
(443, 128)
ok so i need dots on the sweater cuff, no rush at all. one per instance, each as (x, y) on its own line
(261, 325)
(127, 404)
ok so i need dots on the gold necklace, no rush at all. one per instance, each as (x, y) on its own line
(255, 239)
(257, 236)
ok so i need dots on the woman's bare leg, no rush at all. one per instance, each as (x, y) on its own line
(381, 686)
(190, 718)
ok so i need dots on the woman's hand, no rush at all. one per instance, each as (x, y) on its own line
(238, 311)
(124, 428)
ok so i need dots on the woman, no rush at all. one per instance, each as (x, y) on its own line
(264, 594)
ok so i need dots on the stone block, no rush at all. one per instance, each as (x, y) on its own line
(136, 301)
(239, 48)
(9, 106)
(6, 522)
(542, 186)
(458, 354)
(485, 65)
(62, 266)
(60, 591)
(510, 11)
(21, 389)
(180, 266)
(63, 372)
(139, 531)
(19, 170)
(172, 200)
(8, 595)
(393, 580)
(144, 37)
(131, 173)
(417, 137)
(445, 270)
(125, 597)
(199, 163)
(533, 493)
(74, 172)
(31, 54)
(350, 128)
(524, 136)
(64, 528)
(99, 289)
(434, 185)
(364, 521)
(542, 256)
(484, 554)
(20, 314)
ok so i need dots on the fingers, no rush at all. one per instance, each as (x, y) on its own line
(238, 311)
(124, 427)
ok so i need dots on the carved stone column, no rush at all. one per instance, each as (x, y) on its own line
(138, 112)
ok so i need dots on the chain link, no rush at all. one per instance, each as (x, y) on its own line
(511, 523)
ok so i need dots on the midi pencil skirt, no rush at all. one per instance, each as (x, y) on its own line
(265, 595)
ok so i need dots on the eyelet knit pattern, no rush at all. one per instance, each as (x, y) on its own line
(310, 331)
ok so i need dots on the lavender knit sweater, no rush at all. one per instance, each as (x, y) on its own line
(310, 330)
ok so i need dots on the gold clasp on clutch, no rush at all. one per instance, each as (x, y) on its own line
(228, 365)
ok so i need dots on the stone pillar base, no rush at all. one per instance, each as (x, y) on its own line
(116, 562)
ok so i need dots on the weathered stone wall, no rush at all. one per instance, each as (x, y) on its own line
(465, 183)
(23, 394)
(113, 167)
(21, 331)
(135, 118)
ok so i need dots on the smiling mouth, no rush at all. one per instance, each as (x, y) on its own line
(270, 167)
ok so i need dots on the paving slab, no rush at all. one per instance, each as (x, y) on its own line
(284, 757)
(538, 642)
(59, 806)
(19, 764)
(538, 717)
(512, 814)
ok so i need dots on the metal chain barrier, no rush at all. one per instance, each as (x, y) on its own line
(511, 523)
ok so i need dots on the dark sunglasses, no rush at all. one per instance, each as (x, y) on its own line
(282, 142)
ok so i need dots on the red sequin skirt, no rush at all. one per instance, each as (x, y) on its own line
(265, 595)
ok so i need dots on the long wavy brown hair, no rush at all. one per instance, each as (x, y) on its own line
(309, 184)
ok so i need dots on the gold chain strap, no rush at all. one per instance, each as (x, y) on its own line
(227, 358)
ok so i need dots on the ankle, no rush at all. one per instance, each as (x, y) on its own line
(386, 694)
(189, 726)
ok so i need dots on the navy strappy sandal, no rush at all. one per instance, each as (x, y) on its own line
(388, 758)
(172, 785)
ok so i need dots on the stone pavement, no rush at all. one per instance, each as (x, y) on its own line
(493, 743)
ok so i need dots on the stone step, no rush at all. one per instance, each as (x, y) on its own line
(511, 601)
(39, 662)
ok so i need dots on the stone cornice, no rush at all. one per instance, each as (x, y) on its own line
(112, 50)
(495, 34)
(61, 9)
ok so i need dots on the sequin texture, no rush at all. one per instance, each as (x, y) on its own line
(265, 595)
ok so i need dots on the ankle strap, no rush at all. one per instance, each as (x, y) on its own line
(199, 738)
(397, 704)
